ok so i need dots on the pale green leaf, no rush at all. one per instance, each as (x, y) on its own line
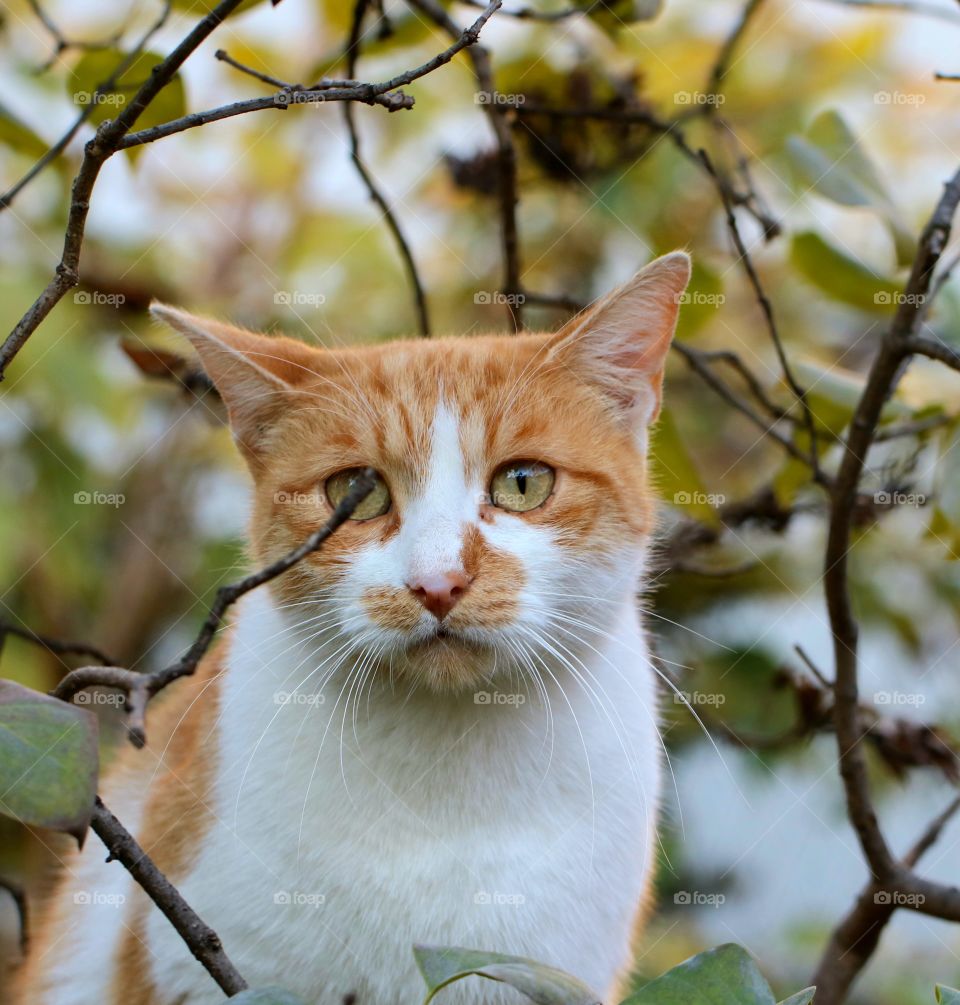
(841, 277)
(48, 760)
(947, 996)
(803, 997)
(726, 975)
(675, 474)
(19, 136)
(442, 965)
(94, 69)
(829, 159)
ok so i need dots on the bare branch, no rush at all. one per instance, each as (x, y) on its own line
(935, 349)
(506, 161)
(855, 939)
(96, 153)
(767, 309)
(105, 88)
(419, 297)
(140, 688)
(200, 938)
(725, 57)
(52, 645)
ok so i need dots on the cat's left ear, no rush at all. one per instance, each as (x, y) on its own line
(254, 374)
(619, 345)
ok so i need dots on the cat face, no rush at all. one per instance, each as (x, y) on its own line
(511, 506)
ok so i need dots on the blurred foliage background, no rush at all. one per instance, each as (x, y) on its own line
(122, 504)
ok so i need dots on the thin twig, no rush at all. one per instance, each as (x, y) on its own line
(935, 349)
(853, 941)
(140, 688)
(96, 153)
(200, 938)
(105, 88)
(55, 646)
(766, 307)
(419, 297)
(506, 161)
(722, 65)
(225, 57)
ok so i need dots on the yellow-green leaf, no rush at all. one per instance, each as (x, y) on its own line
(442, 965)
(93, 69)
(48, 760)
(841, 277)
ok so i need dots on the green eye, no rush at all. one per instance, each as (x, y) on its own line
(521, 486)
(377, 502)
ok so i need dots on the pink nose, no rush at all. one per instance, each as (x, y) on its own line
(440, 592)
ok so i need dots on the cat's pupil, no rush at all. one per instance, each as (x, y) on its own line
(521, 483)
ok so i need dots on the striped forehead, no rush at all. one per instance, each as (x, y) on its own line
(440, 411)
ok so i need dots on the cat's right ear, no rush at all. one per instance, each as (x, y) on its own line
(255, 375)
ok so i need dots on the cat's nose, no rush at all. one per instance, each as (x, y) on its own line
(439, 592)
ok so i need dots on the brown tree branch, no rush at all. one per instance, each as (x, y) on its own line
(419, 297)
(52, 645)
(721, 66)
(140, 688)
(862, 926)
(200, 938)
(105, 88)
(506, 162)
(96, 153)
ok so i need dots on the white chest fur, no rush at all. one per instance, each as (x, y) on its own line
(352, 825)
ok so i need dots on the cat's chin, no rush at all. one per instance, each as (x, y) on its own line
(447, 663)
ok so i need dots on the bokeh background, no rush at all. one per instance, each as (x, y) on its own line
(122, 503)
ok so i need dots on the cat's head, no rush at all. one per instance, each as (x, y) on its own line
(512, 506)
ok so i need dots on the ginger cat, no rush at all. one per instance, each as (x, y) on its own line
(442, 727)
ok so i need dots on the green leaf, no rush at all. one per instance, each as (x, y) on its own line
(94, 69)
(676, 475)
(48, 760)
(442, 965)
(830, 160)
(614, 14)
(18, 136)
(726, 975)
(841, 277)
(803, 997)
(267, 996)
(947, 996)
